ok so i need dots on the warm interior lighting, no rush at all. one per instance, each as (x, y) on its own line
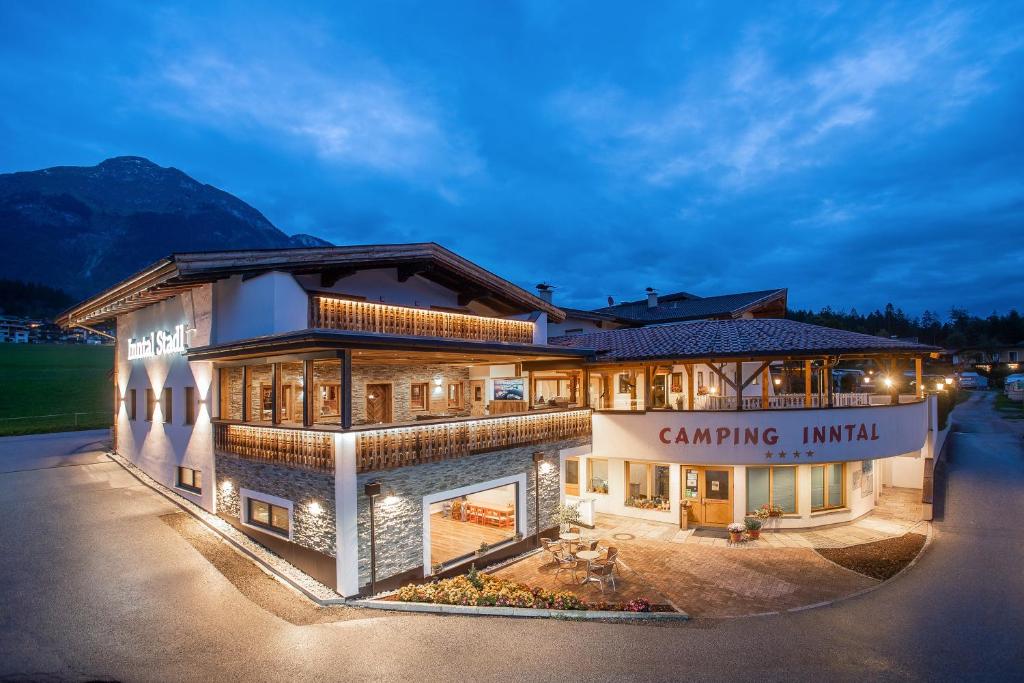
(867, 380)
(888, 382)
(939, 386)
(778, 381)
(712, 390)
(949, 380)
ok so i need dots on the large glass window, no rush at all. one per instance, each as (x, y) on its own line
(259, 392)
(190, 479)
(597, 475)
(648, 486)
(291, 381)
(828, 486)
(418, 396)
(774, 486)
(463, 525)
(618, 389)
(327, 392)
(556, 388)
(232, 390)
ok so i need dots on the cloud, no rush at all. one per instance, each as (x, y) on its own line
(369, 121)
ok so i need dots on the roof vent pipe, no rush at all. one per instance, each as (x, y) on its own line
(545, 291)
(652, 297)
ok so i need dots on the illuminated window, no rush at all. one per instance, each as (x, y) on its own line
(597, 475)
(190, 480)
(327, 392)
(418, 396)
(190, 405)
(150, 405)
(267, 516)
(166, 411)
(572, 476)
(647, 486)
(455, 395)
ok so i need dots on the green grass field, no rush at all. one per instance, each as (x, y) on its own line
(38, 380)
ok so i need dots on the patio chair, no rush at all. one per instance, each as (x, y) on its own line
(613, 555)
(601, 572)
(553, 547)
(566, 562)
(588, 544)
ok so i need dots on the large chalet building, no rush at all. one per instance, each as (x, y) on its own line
(288, 391)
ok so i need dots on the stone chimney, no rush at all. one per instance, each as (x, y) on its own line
(652, 297)
(545, 291)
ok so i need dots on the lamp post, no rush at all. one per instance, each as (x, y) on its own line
(538, 458)
(372, 490)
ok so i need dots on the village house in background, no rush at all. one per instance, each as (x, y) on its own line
(382, 414)
(18, 330)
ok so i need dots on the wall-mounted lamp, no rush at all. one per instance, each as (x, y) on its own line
(315, 508)
(949, 380)
(777, 381)
(226, 486)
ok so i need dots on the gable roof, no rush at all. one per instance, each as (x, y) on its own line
(747, 338)
(178, 272)
(686, 306)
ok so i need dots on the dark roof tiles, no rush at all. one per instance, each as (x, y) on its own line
(719, 338)
(684, 306)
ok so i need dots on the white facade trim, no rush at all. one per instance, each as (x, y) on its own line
(243, 500)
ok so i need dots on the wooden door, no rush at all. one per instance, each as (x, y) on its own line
(709, 491)
(716, 496)
(477, 399)
(378, 403)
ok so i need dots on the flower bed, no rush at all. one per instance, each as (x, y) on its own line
(484, 590)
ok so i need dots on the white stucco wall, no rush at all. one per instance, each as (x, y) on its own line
(158, 447)
(271, 303)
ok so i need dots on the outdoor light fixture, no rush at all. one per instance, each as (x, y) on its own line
(867, 380)
(315, 508)
(372, 490)
(778, 381)
(712, 390)
(949, 380)
(939, 386)
(226, 485)
(888, 381)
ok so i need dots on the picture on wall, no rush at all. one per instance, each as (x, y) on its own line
(510, 389)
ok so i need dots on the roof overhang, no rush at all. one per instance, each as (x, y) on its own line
(179, 272)
(315, 340)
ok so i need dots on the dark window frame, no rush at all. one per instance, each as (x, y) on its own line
(189, 487)
(167, 405)
(150, 404)
(190, 405)
(133, 406)
(250, 520)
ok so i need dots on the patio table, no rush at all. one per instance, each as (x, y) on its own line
(589, 556)
(570, 538)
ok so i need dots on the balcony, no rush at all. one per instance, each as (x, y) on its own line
(305, 449)
(382, 449)
(359, 316)
(784, 401)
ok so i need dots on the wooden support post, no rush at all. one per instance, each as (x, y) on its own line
(245, 394)
(648, 380)
(766, 377)
(807, 384)
(346, 389)
(689, 386)
(917, 376)
(738, 375)
(275, 417)
(586, 388)
(307, 393)
(827, 370)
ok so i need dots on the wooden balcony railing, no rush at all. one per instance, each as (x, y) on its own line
(383, 449)
(360, 316)
(293, 447)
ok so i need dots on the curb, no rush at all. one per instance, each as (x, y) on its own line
(524, 612)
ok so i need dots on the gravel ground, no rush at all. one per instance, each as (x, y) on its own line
(881, 559)
(262, 588)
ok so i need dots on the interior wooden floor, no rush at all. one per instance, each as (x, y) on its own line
(450, 539)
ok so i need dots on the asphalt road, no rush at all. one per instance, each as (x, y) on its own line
(95, 585)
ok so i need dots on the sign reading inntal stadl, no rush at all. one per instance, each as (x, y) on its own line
(159, 343)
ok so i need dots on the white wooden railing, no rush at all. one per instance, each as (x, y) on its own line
(781, 401)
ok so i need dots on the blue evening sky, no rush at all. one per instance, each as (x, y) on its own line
(857, 153)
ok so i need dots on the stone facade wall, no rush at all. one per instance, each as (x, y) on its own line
(399, 524)
(301, 487)
(401, 378)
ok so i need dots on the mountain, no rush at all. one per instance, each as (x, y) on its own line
(83, 228)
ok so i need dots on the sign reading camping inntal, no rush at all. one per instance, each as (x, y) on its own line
(749, 437)
(159, 343)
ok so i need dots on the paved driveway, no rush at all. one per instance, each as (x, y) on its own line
(93, 583)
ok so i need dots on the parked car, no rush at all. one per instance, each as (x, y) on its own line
(972, 380)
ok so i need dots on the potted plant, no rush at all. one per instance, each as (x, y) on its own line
(736, 532)
(567, 516)
(753, 526)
